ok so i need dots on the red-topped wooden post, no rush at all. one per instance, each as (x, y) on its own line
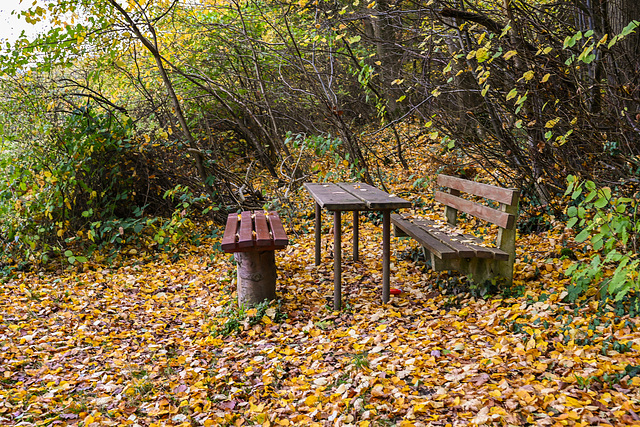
(253, 238)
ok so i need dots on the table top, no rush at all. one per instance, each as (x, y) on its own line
(350, 196)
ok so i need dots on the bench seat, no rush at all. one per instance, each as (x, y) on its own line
(254, 231)
(443, 241)
(253, 238)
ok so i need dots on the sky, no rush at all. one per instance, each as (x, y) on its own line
(10, 25)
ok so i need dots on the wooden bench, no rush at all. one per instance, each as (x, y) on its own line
(253, 238)
(451, 250)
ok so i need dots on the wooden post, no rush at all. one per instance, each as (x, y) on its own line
(356, 234)
(318, 232)
(507, 241)
(386, 254)
(337, 260)
(451, 213)
(256, 277)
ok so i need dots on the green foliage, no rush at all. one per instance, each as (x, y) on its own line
(73, 173)
(237, 318)
(610, 224)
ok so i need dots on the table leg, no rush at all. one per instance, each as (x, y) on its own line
(386, 254)
(337, 259)
(356, 234)
(318, 232)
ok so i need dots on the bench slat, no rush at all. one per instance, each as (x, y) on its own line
(501, 219)
(245, 234)
(263, 238)
(230, 230)
(254, 231)
(434, 245)
(280, 239)
(508, 196)
(467, 240)
(455, 242)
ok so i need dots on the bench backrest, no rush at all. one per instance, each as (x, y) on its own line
(504, 217)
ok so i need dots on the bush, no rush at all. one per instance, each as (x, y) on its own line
(611, 225)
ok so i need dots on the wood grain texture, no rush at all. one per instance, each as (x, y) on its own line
(346, 196)
(373, 197)
(245, 233)
(332, 197)
(508, 196)
(230, 230)
(494, 216)
(254, 231)
(278, 234)
(433, 244)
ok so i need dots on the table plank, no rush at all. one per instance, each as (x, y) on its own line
(374, 197)
(334, 198)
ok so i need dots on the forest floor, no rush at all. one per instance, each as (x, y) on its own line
(153, 341)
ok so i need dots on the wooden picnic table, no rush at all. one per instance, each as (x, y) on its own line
(355, 197)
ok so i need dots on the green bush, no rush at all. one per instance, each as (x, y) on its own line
(610, 224)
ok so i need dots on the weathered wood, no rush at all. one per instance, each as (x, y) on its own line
(245, 233)
(373, 197)
(450, 212)
(434, 245)
(332, 197)
(263, 237)
(466, 245)
(507, 242)
(464, 252)
(280, 239)
(253, 237)
(356, 234)
(386, 255)
(353, 197)
(254, 231)
(256, 277)
(318, 233)
(507, 196)
(229, 237)
(501, 219)
(337, 260)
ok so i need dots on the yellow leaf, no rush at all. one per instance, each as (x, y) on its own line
(552, 123)
(531, 344)
(528, 75)
(545, 78)
(482, 54)
(510, 54)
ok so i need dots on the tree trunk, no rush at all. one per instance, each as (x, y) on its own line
(256, 277)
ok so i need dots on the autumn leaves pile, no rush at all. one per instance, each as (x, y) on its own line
(151, 341)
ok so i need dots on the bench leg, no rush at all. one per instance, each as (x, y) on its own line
(337, 260)
(256, 277)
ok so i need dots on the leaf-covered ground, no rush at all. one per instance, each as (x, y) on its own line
(148, 341)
